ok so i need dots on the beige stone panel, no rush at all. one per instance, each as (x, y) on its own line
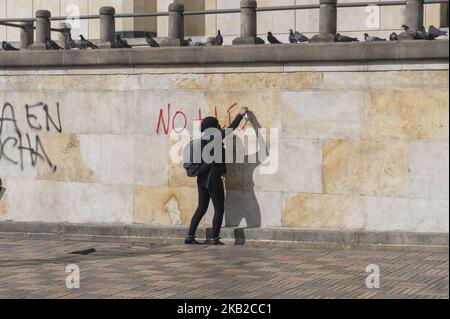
(17, 9)
(194, 25)
(148, 105)
(322, 211)
(101, 204)
(175, 81)
(106, 112)
(366, 167)
(408, 115)
(32, 82)
(307, 20)
(163, 22)
(392, 17)
(38, 201)
(275, 21)
(146, 23)
(177, 173)
(94, 7)
(13, 167)
(265, 81)
(55, 10)
(210, 19)
(178, 177)
(338, 80)
(406, 214)
(106, 80)
(386, 168)
(355, 19)
(429, 170)
(37, 116)
(420, 79)
(298, 168)
(343, 167)
(73, 8)
(229, 24)
(117, 159)
(65, 155)
(164, 206)
(432, 15)
(151, 161)
(323, 114)
(266, 106)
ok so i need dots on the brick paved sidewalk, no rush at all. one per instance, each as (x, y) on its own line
(37, 269)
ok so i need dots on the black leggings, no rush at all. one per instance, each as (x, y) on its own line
(216, 193)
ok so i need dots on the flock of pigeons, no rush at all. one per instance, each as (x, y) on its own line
(294, 37)
(432, 34)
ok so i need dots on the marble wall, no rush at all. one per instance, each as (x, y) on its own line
(359, 147)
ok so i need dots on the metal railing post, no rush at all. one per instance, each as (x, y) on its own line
(42, 30)
(327, 21)
(176, 26)
(248, 24)
(107, 27)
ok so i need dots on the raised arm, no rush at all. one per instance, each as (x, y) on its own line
(234, 125)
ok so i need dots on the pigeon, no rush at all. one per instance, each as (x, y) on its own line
(393, 36)
(219, 38)
(151, 42)
(424, 32)
(344, 38)
(8, 47)
(292, 38)
(435, 32)
(300, 37)
(190, 43)
(52, 44)
(272, 39)
(84, 43)
(369, 38)
(413, 33)
(71, 44)
(120, 43)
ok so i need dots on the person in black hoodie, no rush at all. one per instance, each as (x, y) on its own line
(2, 189)
(210, 184)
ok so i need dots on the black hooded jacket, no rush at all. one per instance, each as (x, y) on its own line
(218, 170)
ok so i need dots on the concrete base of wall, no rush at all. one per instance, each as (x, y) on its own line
(237, 236)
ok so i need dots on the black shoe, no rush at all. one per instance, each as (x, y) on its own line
(191, 241)
(216, 242)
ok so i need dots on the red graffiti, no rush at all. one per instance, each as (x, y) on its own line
(170, 121)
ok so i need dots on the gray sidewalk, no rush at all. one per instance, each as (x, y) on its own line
(37, 269)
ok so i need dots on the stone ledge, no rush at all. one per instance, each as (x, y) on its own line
(237, 236)
(248, 54)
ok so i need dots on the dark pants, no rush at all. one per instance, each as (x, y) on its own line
(216, 193)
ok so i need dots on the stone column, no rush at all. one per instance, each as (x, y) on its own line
(414, 14)
(176, 26)
(414, 17)
(327, 21)
(63, 35)
(248, 24)
(42, 28)
(26, 34)
(107, 27)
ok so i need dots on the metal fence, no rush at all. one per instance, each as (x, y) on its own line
(176, 13)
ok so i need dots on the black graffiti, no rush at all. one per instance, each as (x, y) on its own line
(16, 145)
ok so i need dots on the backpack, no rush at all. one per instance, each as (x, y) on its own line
(197, 168)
